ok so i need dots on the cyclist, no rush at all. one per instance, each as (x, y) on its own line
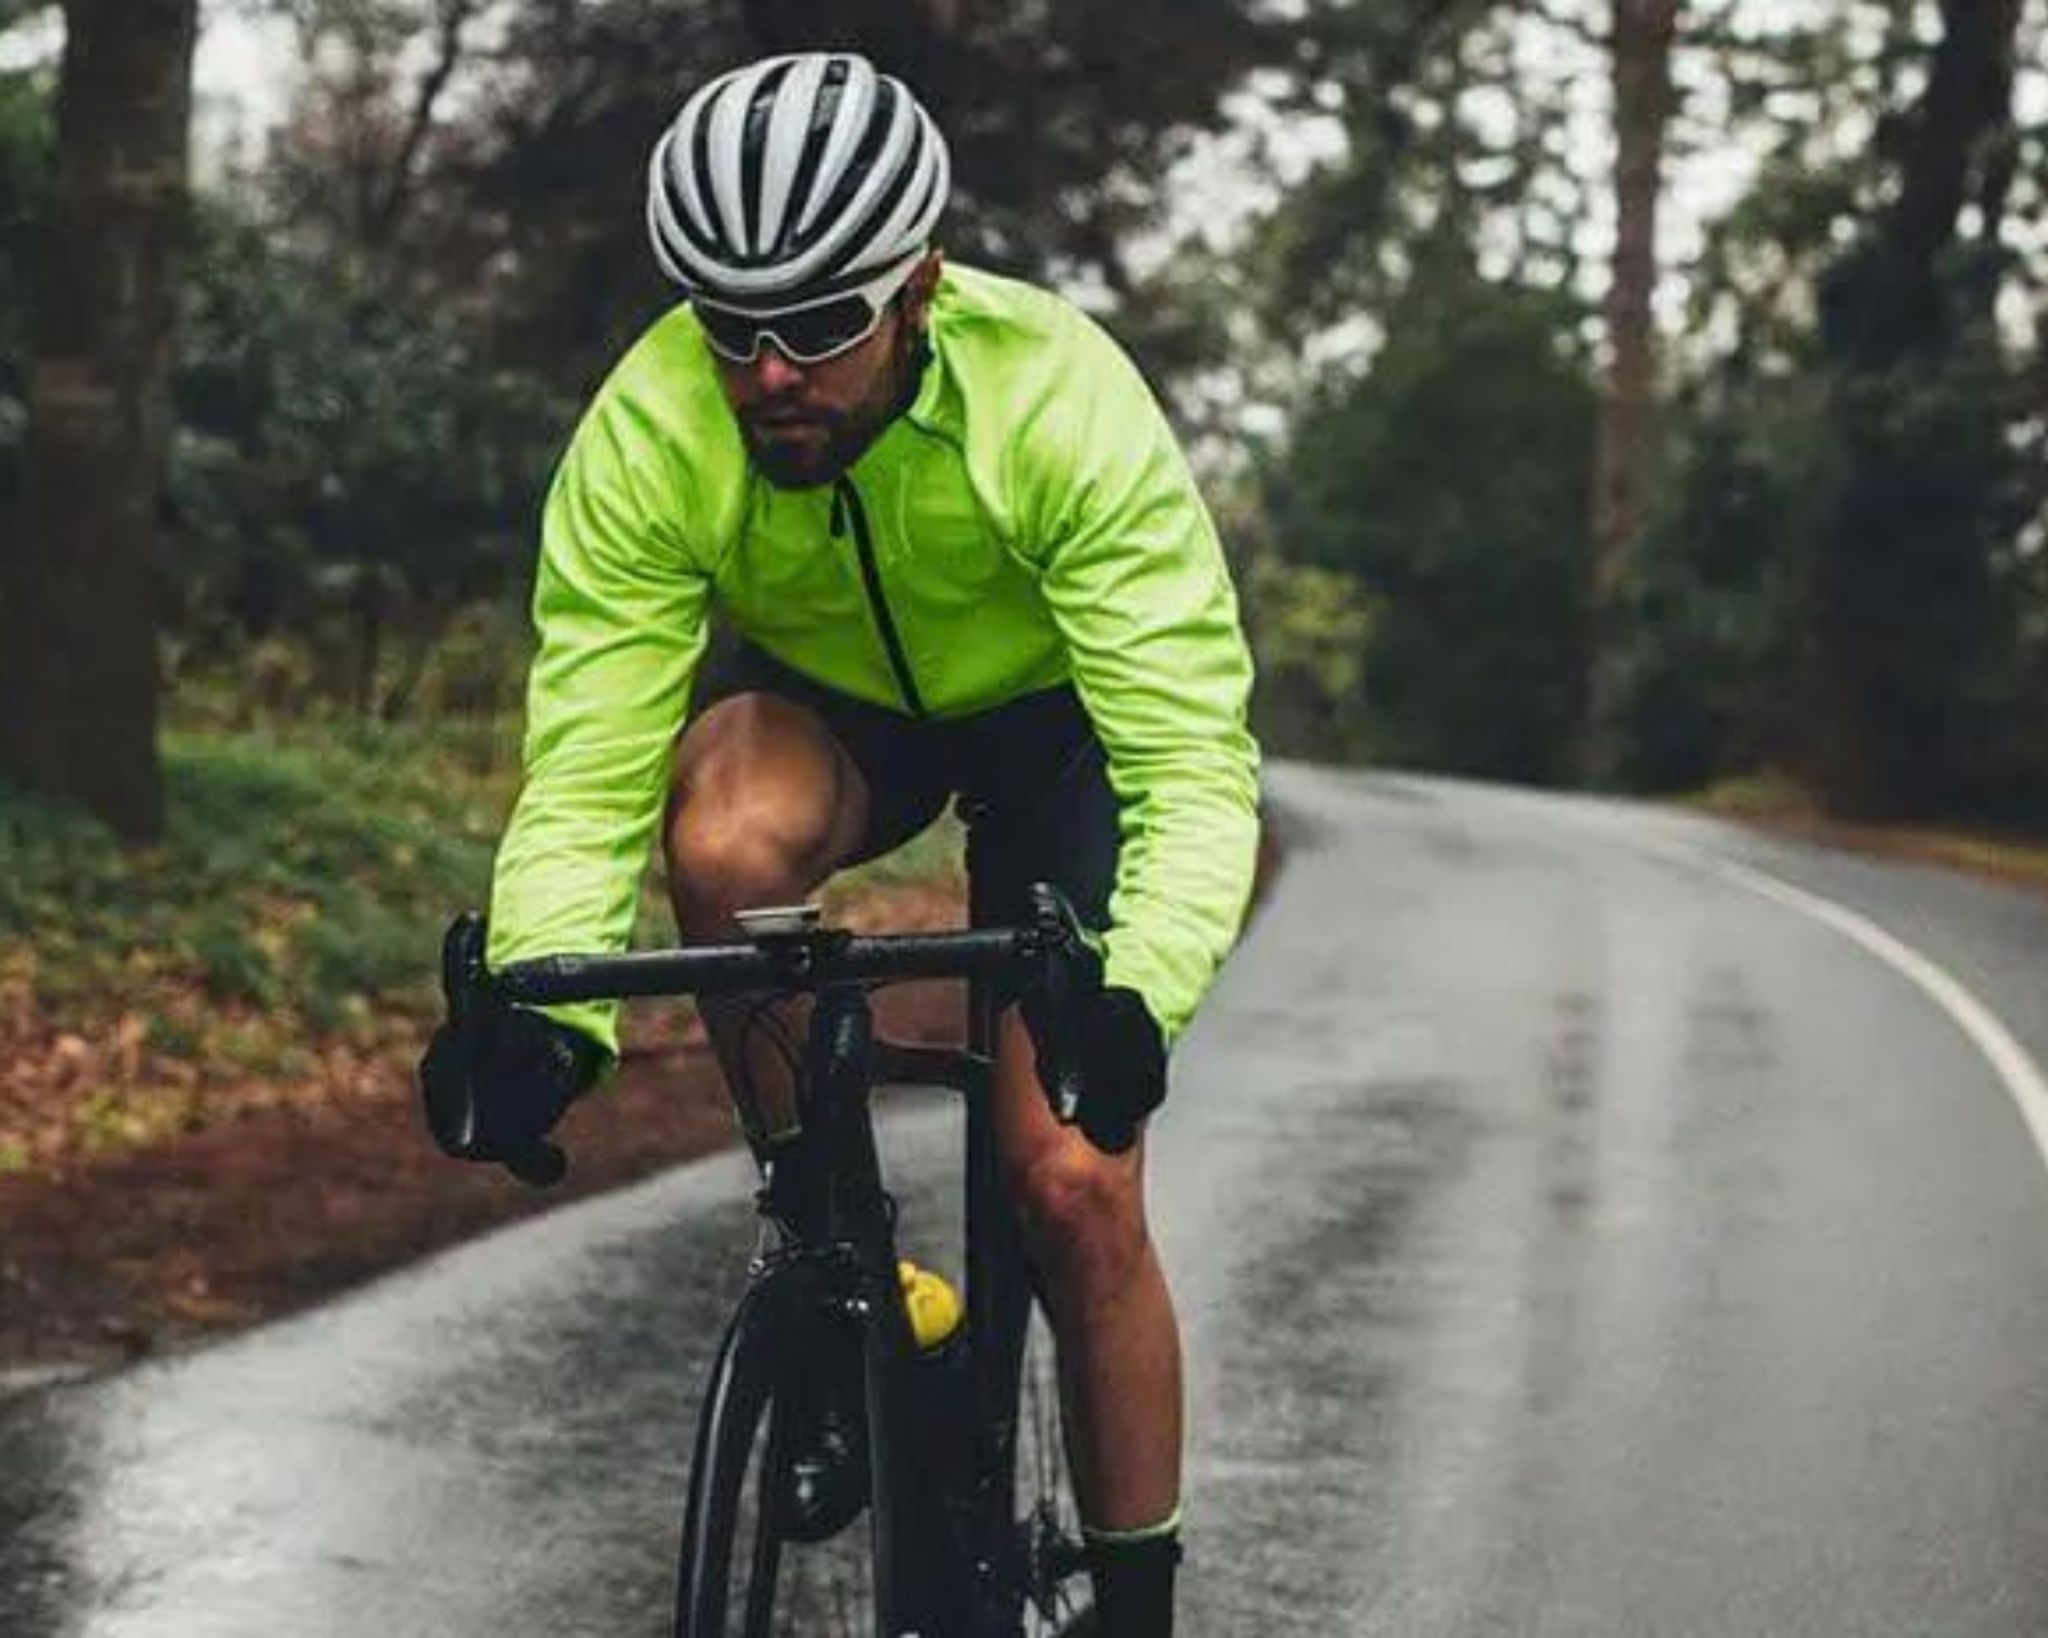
(963, 559)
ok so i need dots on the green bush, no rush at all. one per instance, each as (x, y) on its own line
(298, 871)
(1449, 485)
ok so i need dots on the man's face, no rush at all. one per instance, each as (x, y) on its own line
(806, 424)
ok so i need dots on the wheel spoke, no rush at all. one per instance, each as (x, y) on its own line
(1056, 1590)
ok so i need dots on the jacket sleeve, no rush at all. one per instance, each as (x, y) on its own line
(1136, 581)
(620, 613)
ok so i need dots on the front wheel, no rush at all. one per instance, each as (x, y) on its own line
(743, 1575)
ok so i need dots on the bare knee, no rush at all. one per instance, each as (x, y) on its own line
(1083, 1217)
(736, 858)
(765, 807)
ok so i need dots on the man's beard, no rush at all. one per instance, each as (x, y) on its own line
(846, 434)
(807, 464)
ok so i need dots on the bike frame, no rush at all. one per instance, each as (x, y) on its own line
(943, 1550)
(947, 1553)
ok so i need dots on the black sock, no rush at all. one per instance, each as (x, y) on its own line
(1134, 1585)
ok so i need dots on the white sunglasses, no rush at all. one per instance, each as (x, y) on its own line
(808, 332)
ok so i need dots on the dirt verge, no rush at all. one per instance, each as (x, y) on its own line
(106, 1259)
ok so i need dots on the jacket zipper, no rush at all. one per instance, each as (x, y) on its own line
(846, 506)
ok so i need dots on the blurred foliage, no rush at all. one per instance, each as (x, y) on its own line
(466, 694)
(312, 856)
(26, 136)
(1450, 481)
(392, 319)
(1436, 471)
(1909, 666)
(1843, 574)
(302, 875)
(498, 162)
(343, 461)
(1711, 634)
(1454, 114)
(1310, 628)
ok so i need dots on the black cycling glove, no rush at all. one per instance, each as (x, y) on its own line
(495, 1085)
(1103, 1038)
(1123, 1068)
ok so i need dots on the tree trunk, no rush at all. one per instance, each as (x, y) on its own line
(1640, 63)
(78, 677)
(1900, 600)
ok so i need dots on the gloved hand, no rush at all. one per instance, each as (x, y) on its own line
(495, 1085)
(1123, 1068)
(1102, 1039)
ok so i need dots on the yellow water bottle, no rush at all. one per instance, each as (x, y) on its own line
(933, 1304)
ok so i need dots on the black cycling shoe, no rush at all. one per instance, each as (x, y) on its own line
(825, 1485)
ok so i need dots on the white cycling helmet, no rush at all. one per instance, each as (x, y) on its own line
(794, 175)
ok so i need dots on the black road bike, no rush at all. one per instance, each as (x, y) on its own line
(956, 1518)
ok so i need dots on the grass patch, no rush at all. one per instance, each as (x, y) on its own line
(1766, 794)
(1776, 802)
(293, 874)
(280, 944)
(307, 874)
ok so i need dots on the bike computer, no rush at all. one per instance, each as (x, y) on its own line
(780, 920)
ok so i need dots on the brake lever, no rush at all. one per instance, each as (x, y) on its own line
(1060, 943)
(465, 981)
(468, 995)
(465, 992)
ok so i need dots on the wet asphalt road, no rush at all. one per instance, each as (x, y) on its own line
(1569, 1243)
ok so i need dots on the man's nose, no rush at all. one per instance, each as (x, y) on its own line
(774, 370)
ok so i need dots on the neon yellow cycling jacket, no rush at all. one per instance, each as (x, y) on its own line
(1028, 520)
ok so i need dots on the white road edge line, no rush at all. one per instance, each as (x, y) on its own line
(2022, 1077)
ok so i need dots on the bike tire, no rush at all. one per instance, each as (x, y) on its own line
(739, 1575)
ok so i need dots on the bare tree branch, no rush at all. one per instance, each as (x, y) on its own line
(396, 197)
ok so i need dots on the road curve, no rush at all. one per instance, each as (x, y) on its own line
(1569, 1242)
(1627, 1254)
